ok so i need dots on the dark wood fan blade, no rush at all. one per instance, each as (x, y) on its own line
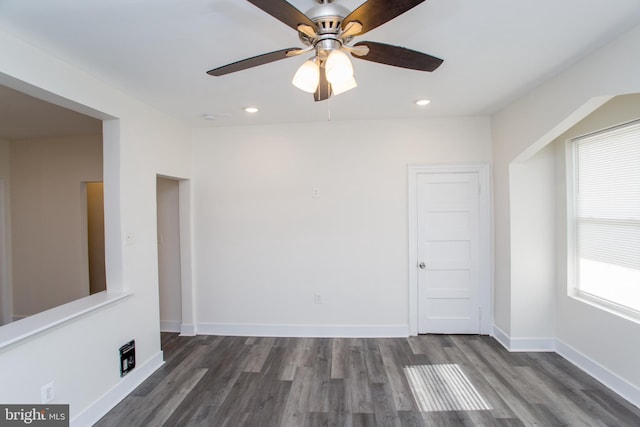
(284, 12)
(251, 62)
(399, 57)
(373, 13)
(324, 87)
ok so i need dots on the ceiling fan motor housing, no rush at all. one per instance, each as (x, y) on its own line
(328, 18)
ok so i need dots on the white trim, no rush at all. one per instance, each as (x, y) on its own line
(532, 344)
(186, 249)
(30, 326)
(187, 330)
(501, 337)
(170, 326)
(304, 331)
(486, 241)
(529, 344)
(616, 383)
(122, 389)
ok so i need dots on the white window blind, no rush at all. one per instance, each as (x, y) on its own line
(607, 214)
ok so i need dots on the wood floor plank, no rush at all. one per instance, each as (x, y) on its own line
(402, 396)
(211, 381)
(364, 420)
(411, 419)
(374, 363)
(478, 373)
(258, 352)
(338, 358)
(339, 414)
(357, 382)
(386, 413)
(295, 410)
(170, 403)
(209, 394)
(320, 382)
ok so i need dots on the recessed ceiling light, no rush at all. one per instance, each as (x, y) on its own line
(422, 102)
(251, 110)
(215, 116)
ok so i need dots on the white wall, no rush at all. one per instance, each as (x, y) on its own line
(139, 143)
(578, 321)
(264, 246)
(50, 264)
(533, 249)
(519, 131)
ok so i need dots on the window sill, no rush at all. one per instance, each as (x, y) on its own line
(15, 332)
(609, 307)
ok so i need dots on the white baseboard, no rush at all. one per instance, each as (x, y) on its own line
(501, 337)
(170, 326)
(619, 385)
(111, 398)
(523, 344)
(310, 331)
(187, 330)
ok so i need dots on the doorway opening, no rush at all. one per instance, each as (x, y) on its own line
(169, 263)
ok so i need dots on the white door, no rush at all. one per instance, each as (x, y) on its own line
(448, 253)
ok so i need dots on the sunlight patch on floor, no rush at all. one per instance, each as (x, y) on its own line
(443, 388)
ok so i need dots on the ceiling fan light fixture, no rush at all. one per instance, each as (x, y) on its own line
(338, 88)
(307, 76)
(339, 67)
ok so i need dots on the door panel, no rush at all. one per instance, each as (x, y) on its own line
(448, 245)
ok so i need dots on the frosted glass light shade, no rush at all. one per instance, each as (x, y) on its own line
(307, 77)
(338, 67)
(338, 88)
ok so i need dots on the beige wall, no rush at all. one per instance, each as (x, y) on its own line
(5, 236)
(95, 237)
(49, 262)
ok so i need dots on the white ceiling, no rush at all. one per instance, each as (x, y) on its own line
(159, 51)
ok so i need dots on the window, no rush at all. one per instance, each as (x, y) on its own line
(606, 217)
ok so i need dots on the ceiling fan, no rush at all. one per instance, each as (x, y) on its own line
(327, 30)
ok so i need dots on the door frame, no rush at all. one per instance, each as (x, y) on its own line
(485, 239)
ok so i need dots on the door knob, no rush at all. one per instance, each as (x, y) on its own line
(422, 265)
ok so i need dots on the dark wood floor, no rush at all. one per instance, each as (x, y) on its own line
(240, 381)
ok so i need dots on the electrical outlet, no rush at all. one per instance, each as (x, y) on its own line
(317, 299)
(315, 192)
(47, 393)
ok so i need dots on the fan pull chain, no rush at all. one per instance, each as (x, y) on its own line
(329, 109)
